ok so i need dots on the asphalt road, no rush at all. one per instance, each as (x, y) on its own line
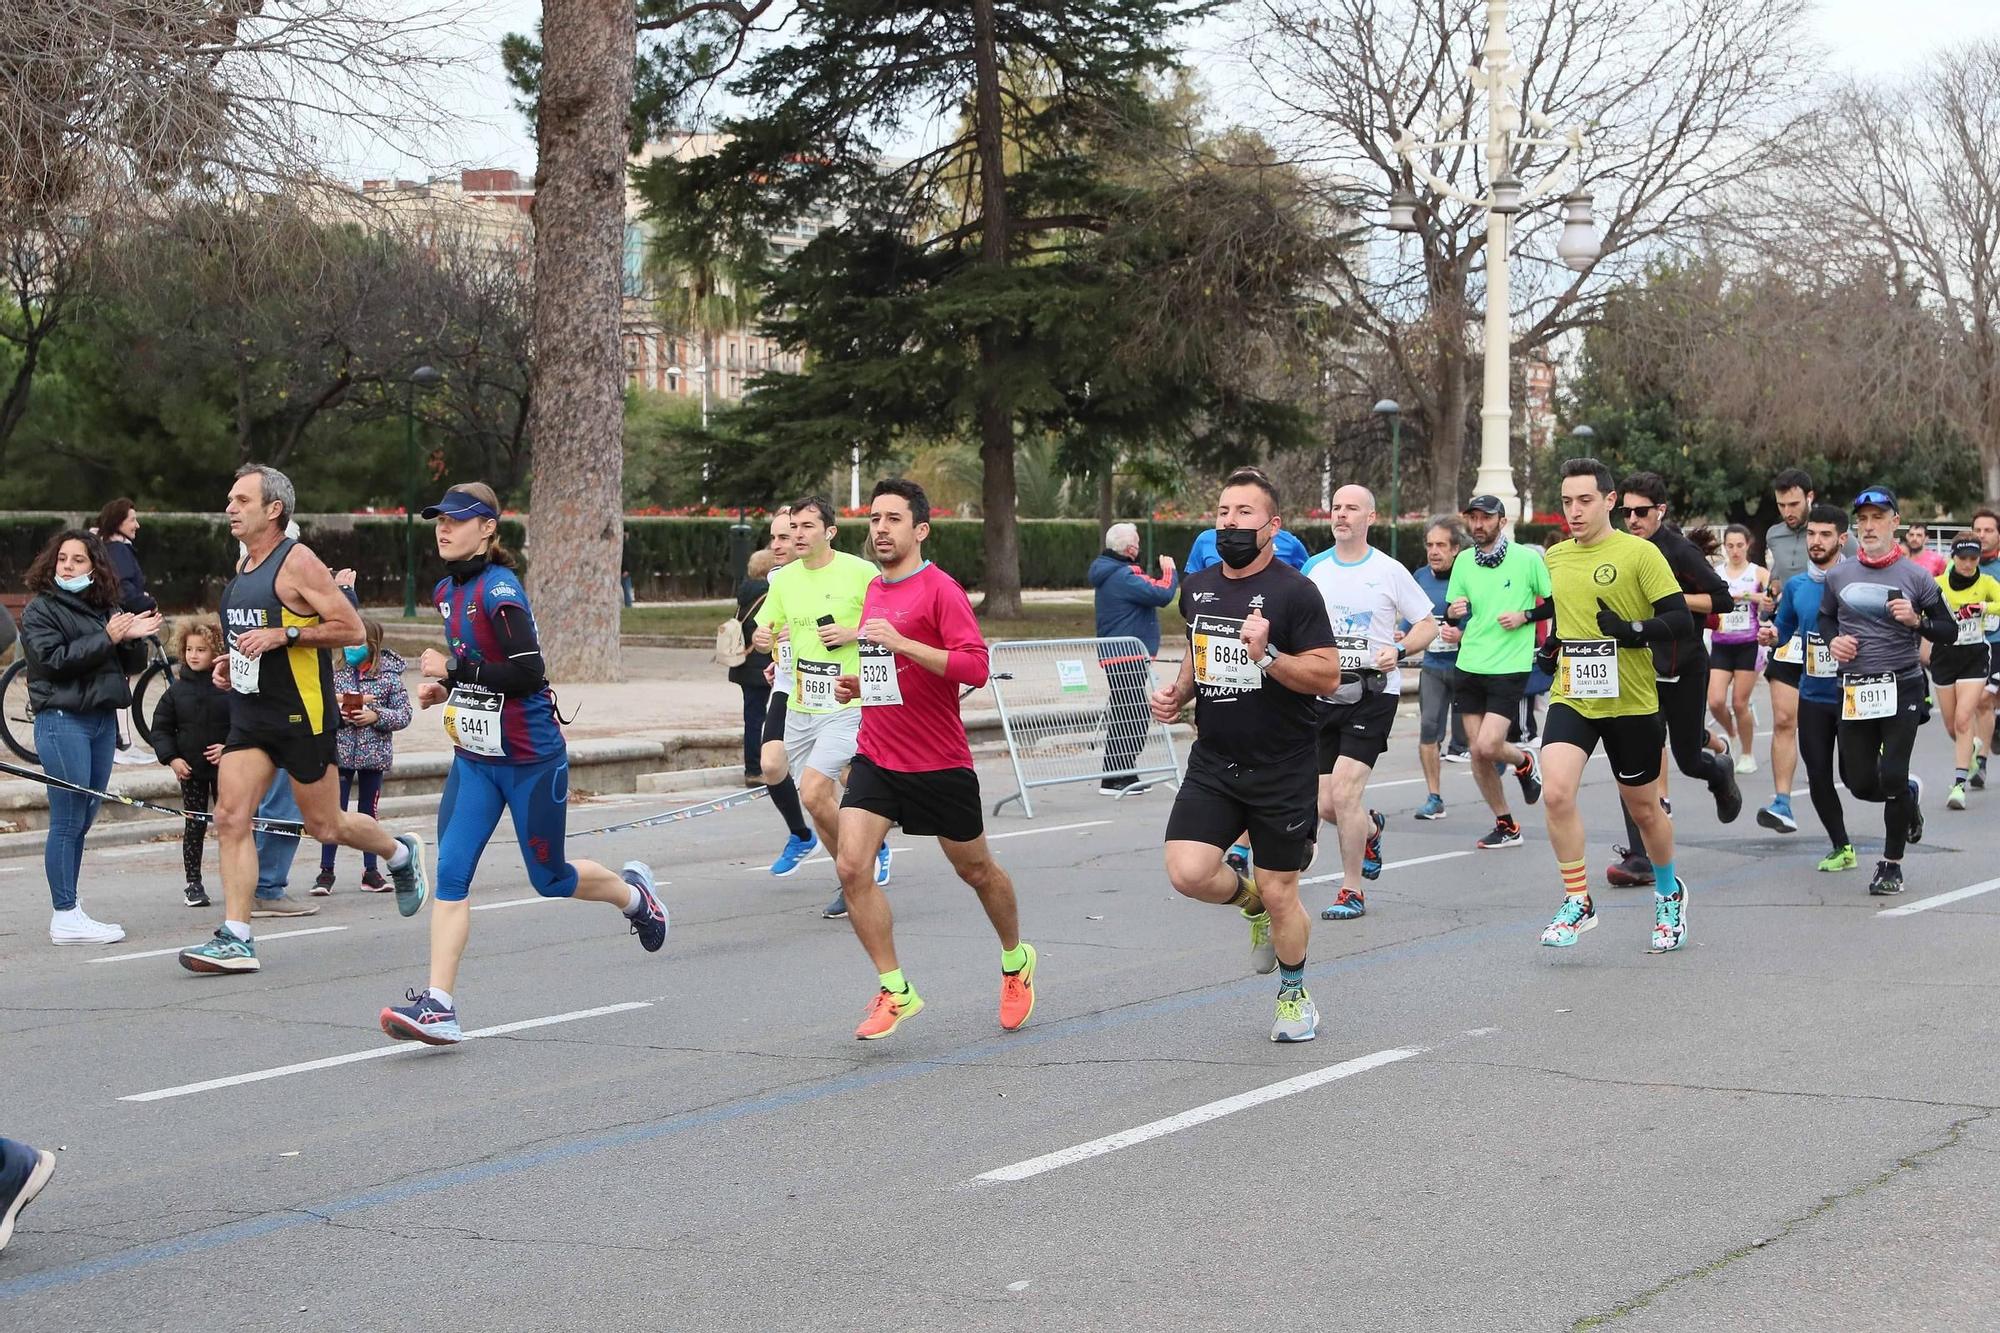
(1789, 1124)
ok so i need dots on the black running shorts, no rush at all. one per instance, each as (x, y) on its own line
(1632, 743)
(943, 803)
(1788, 674)
(292, 745)
(1278, 805)
(1477, 692)
(1952, 663)
(1359, 730)
(1732, 657)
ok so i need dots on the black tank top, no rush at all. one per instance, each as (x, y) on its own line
(288, 685)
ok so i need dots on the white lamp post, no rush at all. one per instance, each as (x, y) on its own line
(1500, 78)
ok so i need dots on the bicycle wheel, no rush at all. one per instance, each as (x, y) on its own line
(17, 726)
(147, 692)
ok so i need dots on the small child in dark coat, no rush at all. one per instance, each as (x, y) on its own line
(189, 728)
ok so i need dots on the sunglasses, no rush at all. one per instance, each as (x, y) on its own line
(1640, 511)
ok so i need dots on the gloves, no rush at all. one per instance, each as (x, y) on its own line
(1612, 626)
(1547, 653)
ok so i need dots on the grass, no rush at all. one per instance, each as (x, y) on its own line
(1038, 620)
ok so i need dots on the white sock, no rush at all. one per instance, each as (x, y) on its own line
(638, 900)
(240, 929)
(443, 997)
(400, 857)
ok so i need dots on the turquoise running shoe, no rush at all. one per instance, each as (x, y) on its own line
(1576, 915)
(222, 953)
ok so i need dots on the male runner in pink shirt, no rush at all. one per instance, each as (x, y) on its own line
(919, 645)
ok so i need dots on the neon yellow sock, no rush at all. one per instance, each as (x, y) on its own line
(1014, 959)
(893, 981)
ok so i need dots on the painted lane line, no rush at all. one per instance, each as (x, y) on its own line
(1939, 900)
(1053, 828)
(1199, 1115)
(1398, 865)
(261, 939)
(513, 902)
(376, 1053)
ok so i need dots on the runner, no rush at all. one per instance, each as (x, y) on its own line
(1260, 650)
(800, 841)
(1986, 531)
(1498, 589)
(279, 669)
(1917, 541)
(509, 756)
(1785, 557)
(1680, 669)
(1794, 634)
(1367, 593)
(1871, 616)
(1959, 669)
(914, 765)
(1437, 719)
(1614, 596)
(1734, 653)
(817, 599)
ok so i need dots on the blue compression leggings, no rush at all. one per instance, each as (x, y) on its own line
(474, 796)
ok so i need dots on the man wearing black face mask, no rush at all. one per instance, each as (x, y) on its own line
(1260, 650)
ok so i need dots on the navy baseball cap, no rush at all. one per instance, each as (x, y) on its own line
(1967, 546)
(461, 504)
(1879, 496)
(1484, 504)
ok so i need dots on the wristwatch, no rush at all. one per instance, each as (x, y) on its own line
(291, 634)
(1269, 659)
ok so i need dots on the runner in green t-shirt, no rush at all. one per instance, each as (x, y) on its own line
(817, 598)
(1614, 595)
(1498, 590)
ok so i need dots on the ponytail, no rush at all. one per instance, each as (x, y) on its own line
(497, 552)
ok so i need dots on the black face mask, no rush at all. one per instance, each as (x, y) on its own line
(1238, 547)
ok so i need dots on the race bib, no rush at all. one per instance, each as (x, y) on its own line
(1790, 651)
(814, 690)
(1222, 663)
(879, 682)
(1588, 669)
(1972, 629)
(1735, 622)
(1867, 698)
(781, 680)
(243, 671)
(1441, 648)
(1819, 658)
(472, 720)
(1355, 654)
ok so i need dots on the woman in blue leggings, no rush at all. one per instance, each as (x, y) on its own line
(511, 758)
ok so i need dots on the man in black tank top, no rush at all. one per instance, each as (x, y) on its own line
(283, 618)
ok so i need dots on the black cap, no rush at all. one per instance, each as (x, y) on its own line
(1879, 496)
(1484, 504)
(1967, 546)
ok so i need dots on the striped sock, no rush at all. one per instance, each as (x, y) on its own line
(1576, 879)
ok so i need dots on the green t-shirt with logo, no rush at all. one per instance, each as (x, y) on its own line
(1515, 584)
(798, 598)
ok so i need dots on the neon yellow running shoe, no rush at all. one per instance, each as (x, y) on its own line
(1841, 858)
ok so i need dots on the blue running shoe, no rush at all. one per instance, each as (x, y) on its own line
(837, 909)
(1346, 906)
(882, 857)
(1432, 808)
(796, 850)
(649, 923)
(1237, 858)
(1916, 834)
(1778, 815)
(422, 1019)
(1371, 855)
(223, 953)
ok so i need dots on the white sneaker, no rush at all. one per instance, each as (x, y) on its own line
(134, 757)
(1746, 763)
(76, 927)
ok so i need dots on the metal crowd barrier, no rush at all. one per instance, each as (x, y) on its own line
(1078, 710)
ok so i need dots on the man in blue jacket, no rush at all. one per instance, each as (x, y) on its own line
(1128, 606)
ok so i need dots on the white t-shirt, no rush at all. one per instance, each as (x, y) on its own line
(1368, 599)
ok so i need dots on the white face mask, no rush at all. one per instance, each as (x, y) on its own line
(74, 583)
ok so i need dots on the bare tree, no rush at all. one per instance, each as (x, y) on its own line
(1682, 98)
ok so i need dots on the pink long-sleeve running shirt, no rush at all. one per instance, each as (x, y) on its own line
(924, 733)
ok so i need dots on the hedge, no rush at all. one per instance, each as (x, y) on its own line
(187, 557)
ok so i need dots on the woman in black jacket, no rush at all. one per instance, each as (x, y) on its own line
(117, 525)
(70, 635)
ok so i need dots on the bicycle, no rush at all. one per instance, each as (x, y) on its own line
(17, 718)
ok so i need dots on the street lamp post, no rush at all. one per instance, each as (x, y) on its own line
(1500, 78)
(1391, 411)
(423, 377)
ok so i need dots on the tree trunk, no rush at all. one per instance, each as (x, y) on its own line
(1448, 441)
(996, 413)
(15, 405)
(576, 513)
(1107, 495)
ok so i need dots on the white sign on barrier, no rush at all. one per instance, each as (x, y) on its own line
(1070, 675)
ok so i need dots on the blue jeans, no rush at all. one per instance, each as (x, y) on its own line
(274, 850)
(75, 747)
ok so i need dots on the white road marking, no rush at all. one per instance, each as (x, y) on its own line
(1939, 900)
(261, 939)
(1154, 1129)
(1398, 865)
(1053, 828)
(376, 1053)
(510, 902)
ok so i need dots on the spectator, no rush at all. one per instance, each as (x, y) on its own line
(1128, 606)
(1917, 540)
(117, 525)
(23, 1173)
(749, 674)
(374, 706)
(1443, 540)
(71, 634)
(189, 728)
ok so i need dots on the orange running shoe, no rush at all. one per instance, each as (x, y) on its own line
(887, 1012)
(1017, 993)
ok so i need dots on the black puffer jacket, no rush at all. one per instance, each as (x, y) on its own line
(72, 663)
(193, 716)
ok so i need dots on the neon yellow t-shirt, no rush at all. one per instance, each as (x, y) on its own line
(1628, 575)
(799, 597)
(1980, 602)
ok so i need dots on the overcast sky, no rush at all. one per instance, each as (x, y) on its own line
(1867, 37)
